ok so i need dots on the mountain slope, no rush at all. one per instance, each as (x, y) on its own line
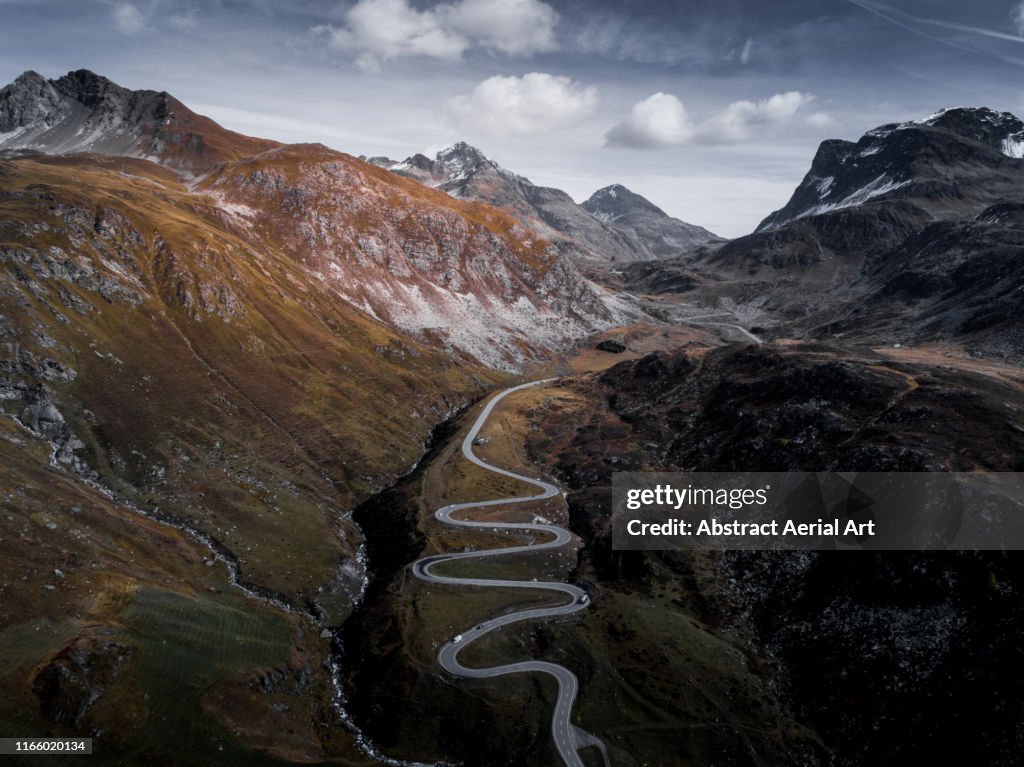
(591, 241)
(183, 328)
(950, 165)
(922, 632)
(166, 356)
(463, 275)
(243, 340)
(907, 235)
(157, 362)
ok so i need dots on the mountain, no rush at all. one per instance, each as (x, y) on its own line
(907, 235)
(458, 275)
(461, 275)
(84, 112)
(275, 290)
(212, 349)
(902, 630)
(591, 241)
(651, 229)
(161, 363)
(950, 165)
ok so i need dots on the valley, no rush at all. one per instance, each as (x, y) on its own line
(307, 457)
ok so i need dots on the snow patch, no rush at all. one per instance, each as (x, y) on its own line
(1013, 146)
(881, 185)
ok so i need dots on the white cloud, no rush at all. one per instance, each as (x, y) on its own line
(1017, 17)
(734, 123)
(128, 19)
(515, 27)
(520, 106)
(380, 30)
(661, 121)
(657, 121)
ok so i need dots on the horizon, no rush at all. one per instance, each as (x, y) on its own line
(713, 113)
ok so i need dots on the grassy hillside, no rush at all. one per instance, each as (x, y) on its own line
(156, 354)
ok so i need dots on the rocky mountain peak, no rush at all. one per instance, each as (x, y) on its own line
(922, 160)
(461, 160)
(29, 99)
(613, 202)
(981, 124)
(86, 112)
(462, 150)
(615, 225)
(420, 161)
(29, 79)
(88, 87)
(450, 169)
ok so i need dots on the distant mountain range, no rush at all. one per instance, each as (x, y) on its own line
(913, 233)
(614, 227)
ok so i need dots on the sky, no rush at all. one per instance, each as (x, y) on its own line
(712, 109)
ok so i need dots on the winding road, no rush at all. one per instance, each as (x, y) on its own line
(739, 328)
(568, 738)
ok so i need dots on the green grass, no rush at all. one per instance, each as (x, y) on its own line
(185, 647)
(182, 648)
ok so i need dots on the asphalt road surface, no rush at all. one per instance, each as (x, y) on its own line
(568, 738)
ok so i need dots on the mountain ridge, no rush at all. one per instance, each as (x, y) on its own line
(464, 171)
(904, 156)
(468, 278)
(908, 235)
(85, 112)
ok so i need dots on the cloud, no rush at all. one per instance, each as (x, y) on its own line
(657, 121)
(515, 27)
(906, 21)
(521, 106)
(734, 123)
(661, 120)
(128, 19)
(1017, 17)
(380, 30)
(745, 52)
(819, 120)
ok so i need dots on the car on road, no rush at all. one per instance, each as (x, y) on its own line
(457, 639)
